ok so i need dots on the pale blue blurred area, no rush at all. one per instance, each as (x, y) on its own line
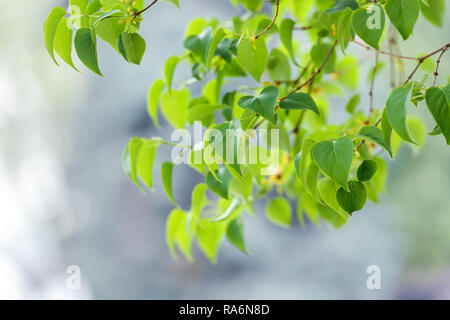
(64, 199)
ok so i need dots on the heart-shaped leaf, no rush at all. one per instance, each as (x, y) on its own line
(369, 24)
(253, 57)
(264, 104)
(335, 159)
(439, 106)
(132, 47)
(86, 47)
(221, 187)
(403, 15)
(279, 211)
(396, 112)
(366, 170)
(299, 101)
(354, 199)
(375, 135)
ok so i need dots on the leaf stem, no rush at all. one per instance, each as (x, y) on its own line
(146, 8)
(277, 6)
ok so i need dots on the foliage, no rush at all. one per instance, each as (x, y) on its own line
(330, 170)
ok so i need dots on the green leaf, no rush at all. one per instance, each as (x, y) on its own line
(278, 67)
(327, 190)
(174, 107)
(434, 11)
(366, 170)
(435, 132)
(299, 101)
(154, 95)
(50, 28)
(375, 135)
(235, 234)
(341, 5)
(199, 199)
(63, 42)
(204, 113)
(110, 29)
(335, 159)
(86, 47)
(209, 237)
(146, 160)
(286, 31)
(166, 174)
(253, 5)
(253, 57)
(279, 211)
(132, 47)
(344, 27)
(319, 53)
(218, 36)
(369, 24)
(403, 15)
(386, 129)
(354, 199)
(200, 44)
(396, 112)
(176, 234)
(264, 104)
(438, 102)
(130, 158)
(169, 70)
(93, 7)
(174, 2)
(353, 103)
(221, 187)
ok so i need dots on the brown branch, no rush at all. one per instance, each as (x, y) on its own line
(422, 59)
(277, 6)
(382, 51)
(146, 8)
(317, 72)
(438, 62)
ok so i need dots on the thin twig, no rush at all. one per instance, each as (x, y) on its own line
(317, 72)
(438, 62)
(146, 8)
(372, 82)
(382, 51)
(277, 5)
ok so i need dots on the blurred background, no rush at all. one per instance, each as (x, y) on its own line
(64, 199)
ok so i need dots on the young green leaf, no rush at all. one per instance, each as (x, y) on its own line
(86, 47)
(169, 70)
(253, 57)
(335, 159)
(209, 237)
(50, 28)
(319, 53)
(174, 107)
(132, 47)
(353, 103)
(327, 189)
(218, 36)
(403, 15)
(199, 45)
(63, 42)
(279, 211)
(343, 28)
(369, 24)
(278, 67)
(130, 158)
(299, 101)
(433, 11)
(264, 104)
(438, 102)
(396, 112)
(176, 234)
(146, 160)
(154, 95)
(166, 174)
(286, 30)
(235, 234)
(366, 170)
(221, 187)
(354, 199)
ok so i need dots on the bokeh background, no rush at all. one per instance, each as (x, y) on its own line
(65, 201)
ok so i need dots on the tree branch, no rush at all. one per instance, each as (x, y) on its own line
(277, 5)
